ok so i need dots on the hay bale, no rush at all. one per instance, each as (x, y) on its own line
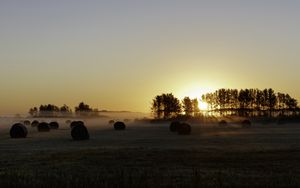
(43, 127)
(74, 123)
(18, 130)
(80, 132)
(68, 121)
(223, 123)
(246, 123)
(119, 125)
(27, 122)
(111, 122)
(54, 125)
(35, 123)
(184, 129)
(174, 125)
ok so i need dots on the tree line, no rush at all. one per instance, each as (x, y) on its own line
(251, 102)
(51, 110)
(243, 102)
(166, 106)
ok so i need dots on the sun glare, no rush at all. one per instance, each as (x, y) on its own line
(203, 105)
(196, 92)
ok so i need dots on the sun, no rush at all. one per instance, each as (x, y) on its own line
(194, 91)
(203, 105)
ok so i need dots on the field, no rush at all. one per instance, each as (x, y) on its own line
(149, 155)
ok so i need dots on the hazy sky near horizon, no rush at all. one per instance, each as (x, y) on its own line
(119, 54)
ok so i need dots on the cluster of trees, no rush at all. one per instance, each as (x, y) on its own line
(166, 106)
(51, 110)
(251, 102)
(85, 110)
(244, 102)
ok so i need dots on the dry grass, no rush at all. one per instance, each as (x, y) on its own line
(147, 155)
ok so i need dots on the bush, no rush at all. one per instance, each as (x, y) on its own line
(43, 127)
(54, 125)
(223, 123)
(18, 130)
(246, 123)
(184, 129)
(35, 123)
(174, 126)
(119, 125)
(80, 132)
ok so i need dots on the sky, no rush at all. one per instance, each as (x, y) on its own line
(119, 54)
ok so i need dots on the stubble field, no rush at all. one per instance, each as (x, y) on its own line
(149, 155)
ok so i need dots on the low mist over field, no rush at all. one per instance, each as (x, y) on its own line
(160, 94)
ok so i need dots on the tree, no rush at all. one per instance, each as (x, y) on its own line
(65, 109)
(48, 110)
(290, 102)
(187, 106)
(195, 104)
(271, 99)
(166, 106)
(33, 111)
(157, 107)
(83, 109)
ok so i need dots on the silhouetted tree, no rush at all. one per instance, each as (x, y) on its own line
(251, 102)
(195, 104)
(65, 108)
(49, 110)
(33, 111)
(157, 107)
(83, 109)
(187, 105)
(166, 106)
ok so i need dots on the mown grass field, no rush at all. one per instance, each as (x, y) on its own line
(147, 155)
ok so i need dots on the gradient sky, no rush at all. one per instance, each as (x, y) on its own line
(119, 54)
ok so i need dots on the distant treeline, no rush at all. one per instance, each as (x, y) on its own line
(50, 110)
(244, 102)
(251, 102)
(166, 106)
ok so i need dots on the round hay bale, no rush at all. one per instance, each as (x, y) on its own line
(18, 130)
(43, 127)
(68, 121)
(27, 122)
(119, 125)
(54, 125)
(111, 122)
(74, 123)
(174, 125)
(223, 123)
(246, 123)
(80, 132)
(184, 129)
(35, 123)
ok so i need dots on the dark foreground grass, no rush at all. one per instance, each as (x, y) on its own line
(150, 168)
